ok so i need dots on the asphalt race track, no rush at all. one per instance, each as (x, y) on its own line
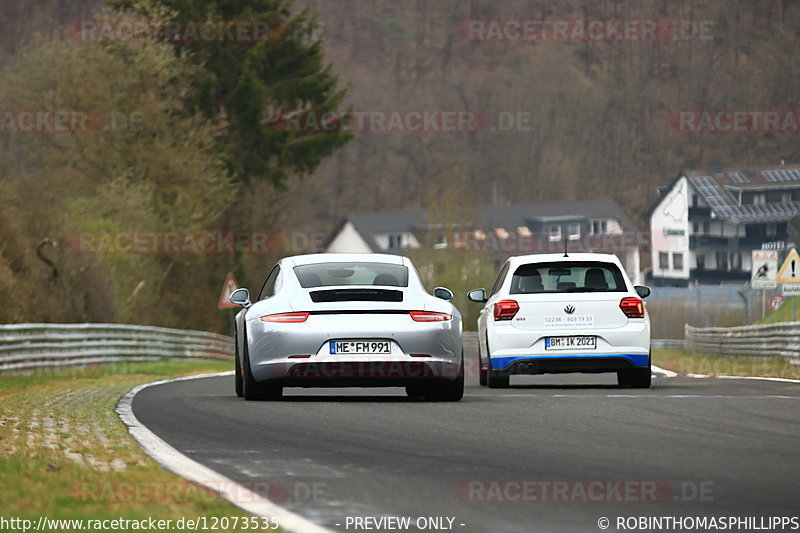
(553, 453)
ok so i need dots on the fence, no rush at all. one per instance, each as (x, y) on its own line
(668, 344)
(777, 340)
(28, 346)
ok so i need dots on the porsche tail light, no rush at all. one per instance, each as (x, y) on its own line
(286, 317)
(632, 307)
(505, 309)
(429, 316)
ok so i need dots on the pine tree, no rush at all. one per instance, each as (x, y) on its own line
(249, 86)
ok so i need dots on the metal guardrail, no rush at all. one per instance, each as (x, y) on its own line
(777, 340)
(28, 346)
(668, 344)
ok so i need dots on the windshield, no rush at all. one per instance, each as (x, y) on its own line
(335, 274)
(583, 276)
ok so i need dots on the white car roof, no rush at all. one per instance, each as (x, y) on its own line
(558, 257)
(309, 259)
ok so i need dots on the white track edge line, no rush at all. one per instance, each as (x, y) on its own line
(663, 371)
(671, 374)
(761, 378)
(764, 378)
(174, 461)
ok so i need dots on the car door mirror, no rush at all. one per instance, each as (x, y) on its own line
(240, 297)
(642, 291)
(443, 293)
(477, 295)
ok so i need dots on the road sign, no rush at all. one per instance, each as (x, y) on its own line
(791, 289)
(776, 302)
(230, 285)
(765, 267)
(790, 269)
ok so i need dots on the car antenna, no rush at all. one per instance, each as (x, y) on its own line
(565, 247)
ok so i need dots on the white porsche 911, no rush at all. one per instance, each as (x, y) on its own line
(557, 313)
(338, 320)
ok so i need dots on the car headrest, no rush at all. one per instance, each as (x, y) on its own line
(595, 279)
(385, 279)
(530, 283)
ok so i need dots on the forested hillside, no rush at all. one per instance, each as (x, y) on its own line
(591, 118)
(599, 111)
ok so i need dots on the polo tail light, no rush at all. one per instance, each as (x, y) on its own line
(505, 310)
(632, 307)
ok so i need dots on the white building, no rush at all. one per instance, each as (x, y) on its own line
(502, 231)
(706, 224)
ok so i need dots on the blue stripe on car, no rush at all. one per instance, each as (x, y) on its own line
(499, 363)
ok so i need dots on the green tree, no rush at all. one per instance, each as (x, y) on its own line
(140, 162)
(248, 86)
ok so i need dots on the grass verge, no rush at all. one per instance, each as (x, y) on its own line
(686, 363)
(64, 454)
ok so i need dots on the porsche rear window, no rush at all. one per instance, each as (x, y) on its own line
(583, 276)
(337, 274)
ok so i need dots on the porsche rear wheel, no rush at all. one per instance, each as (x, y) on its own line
(448, 391)
(253, 390)
(415, 391)
(237, 378)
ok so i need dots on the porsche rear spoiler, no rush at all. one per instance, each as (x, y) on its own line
(356, 295)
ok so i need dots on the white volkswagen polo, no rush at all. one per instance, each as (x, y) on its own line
(557, 313)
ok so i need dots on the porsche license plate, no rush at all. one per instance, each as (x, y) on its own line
(365, 347)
